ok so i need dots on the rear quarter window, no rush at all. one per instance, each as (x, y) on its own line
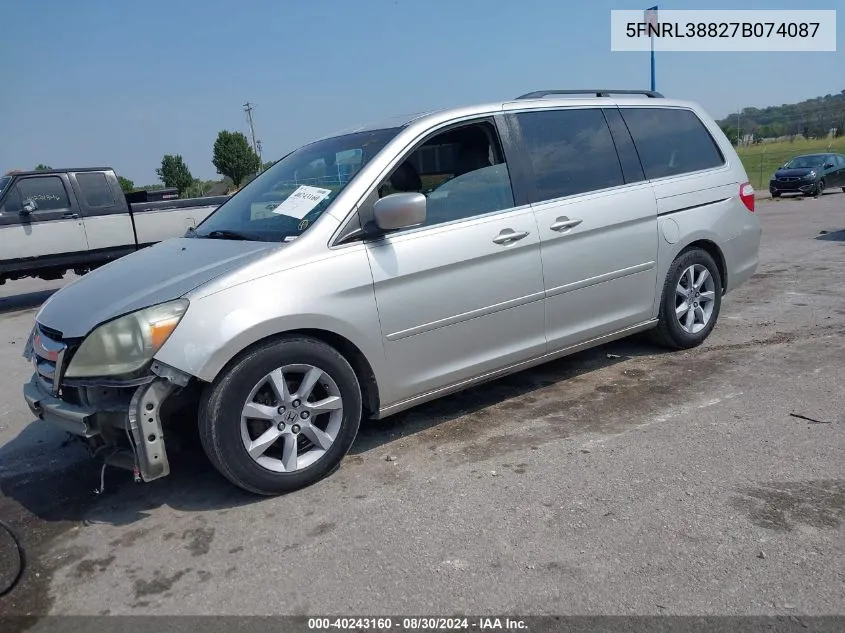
(671, 141)
(95, 189)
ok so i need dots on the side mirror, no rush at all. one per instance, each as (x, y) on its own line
(29, 206)
(399, 211)
(828, 165)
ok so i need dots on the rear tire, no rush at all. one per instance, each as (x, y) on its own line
(690, 301)
(301, 421)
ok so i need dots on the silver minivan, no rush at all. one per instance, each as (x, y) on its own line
(371, 271)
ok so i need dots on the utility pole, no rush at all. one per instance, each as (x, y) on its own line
(248, 107)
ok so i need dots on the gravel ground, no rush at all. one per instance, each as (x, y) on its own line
(624, 480)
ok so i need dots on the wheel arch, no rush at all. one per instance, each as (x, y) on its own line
(711, 248)
(370, 396)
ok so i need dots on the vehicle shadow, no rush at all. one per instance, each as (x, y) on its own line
(832, 236)
(373, 433)
(52, 477)
(25, 300)
(62, 483)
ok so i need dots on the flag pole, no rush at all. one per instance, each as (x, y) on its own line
(652, 64)
(653, 12)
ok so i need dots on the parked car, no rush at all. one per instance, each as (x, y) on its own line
(77, 219)
(810, 174)
(550, 224)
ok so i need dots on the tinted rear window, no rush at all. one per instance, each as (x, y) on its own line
(95, 189)
(570, 151)
(631, 166)
(671, 141)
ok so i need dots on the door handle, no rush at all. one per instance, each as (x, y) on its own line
(563, 223)
(71, 216)
(509, 235)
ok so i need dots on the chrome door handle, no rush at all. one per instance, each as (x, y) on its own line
(563, 223)
(507, 236)
(71, 216)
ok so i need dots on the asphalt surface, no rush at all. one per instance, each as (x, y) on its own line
(623, 480)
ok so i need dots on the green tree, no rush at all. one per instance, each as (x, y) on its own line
(267, 165)
(175, 173)
(42, 167)
(233, 157)
(731, 132)
(126, 184)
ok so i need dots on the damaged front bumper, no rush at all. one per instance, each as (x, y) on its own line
(122, 423)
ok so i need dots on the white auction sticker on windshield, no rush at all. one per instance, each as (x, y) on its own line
(301, 201)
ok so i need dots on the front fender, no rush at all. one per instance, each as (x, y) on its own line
(334, 295)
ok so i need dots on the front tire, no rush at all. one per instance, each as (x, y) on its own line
(820, 187)
(282, 416)
(690, 302)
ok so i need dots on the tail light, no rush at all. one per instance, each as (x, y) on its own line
(746, 194)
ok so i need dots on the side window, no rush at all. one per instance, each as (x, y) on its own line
(631, 167)
(48, 192)
(12, 203)
(671, 141)
(95, 189)
(571, 151)
(462, 172)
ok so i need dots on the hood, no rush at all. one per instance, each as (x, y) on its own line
(159, 273)
(797, 171)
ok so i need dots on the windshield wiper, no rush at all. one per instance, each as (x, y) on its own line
(225, 234)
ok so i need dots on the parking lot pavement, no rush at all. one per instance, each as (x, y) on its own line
(623, 480)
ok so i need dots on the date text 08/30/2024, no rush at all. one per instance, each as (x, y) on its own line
(417, 624)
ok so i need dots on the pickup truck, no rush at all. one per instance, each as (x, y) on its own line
(78, 219)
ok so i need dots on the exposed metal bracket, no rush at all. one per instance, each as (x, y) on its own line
(178, 378)
(146, 431)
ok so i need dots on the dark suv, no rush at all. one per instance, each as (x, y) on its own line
(810, 174)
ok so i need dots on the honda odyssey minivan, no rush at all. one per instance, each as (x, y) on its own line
(371, 271)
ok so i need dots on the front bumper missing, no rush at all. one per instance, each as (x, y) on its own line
(138, 417)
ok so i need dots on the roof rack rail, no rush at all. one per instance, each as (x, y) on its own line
(599, 93)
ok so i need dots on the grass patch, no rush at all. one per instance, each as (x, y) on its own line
(761, 161)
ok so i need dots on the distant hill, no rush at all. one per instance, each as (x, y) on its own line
(813, 118)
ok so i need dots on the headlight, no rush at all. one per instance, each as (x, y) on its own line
(127, 343)
(811, 175)
(774, 176)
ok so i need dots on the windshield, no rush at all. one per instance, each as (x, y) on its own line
(805, 162)
(285, 200)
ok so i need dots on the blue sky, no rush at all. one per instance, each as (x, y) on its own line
(122, 83)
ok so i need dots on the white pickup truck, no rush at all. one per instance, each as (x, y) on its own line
(78, 219)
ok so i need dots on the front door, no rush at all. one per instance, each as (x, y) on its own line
(597, 218)
(462, 295)
(38, 223)
(839, 165)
